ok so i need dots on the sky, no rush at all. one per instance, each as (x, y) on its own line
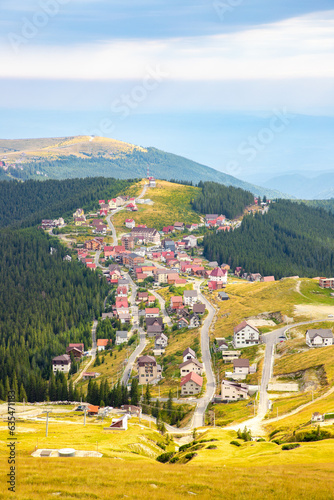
(244, 86)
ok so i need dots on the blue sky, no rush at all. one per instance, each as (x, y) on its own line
(198, 78)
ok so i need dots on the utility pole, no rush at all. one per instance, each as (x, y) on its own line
(85, 411)
(47, 421)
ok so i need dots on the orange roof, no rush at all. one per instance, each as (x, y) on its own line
(192, 376)
(102, 342)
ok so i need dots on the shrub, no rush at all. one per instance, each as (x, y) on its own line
(290, 446)
(165, 457)
(189, 456)
(175, 459)
(276, 441)
(212, 447)
(235, 443)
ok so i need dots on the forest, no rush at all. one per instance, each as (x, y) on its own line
(45, 304)
(291, 239)
(25, 204)
(222, 200)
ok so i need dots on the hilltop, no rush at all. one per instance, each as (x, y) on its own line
(85, 156)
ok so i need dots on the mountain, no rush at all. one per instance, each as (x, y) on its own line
(302, 186)
(85, 156)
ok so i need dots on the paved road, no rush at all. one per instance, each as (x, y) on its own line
(163, 307)
(139, 349)
(93, 354)
(198, 420)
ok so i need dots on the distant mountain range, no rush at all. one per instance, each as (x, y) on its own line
(316, 187)
(85, 156)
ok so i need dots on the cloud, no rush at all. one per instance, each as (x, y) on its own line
(300, 47)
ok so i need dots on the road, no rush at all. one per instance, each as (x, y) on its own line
(111, 225)
(93, 354)
(139, 349)
(198, 420)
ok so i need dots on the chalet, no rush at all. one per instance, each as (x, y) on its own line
(179, 226)
(103, 212)
(168, 229)
(319, 337)
(101, 202)
(119, 424)
(182, 323)
(317, 417)
(147, 369)
(191, 384)
(219, 274)
(229, 356)
(154, 326)
(191, 365)
(176, 302)
(190, 297)
(121, 337)
(130, 223)
(92, 410)
(61, 363)
(267, 279)
(89, 375)
(142, 297)
(194, 321)
(75, 349)
(152, 312)
(240, 369)
(254, 277)
(232, 391)
(79, 346)
(245, 335)
(102, 344)
(188, 354)
(161, 341)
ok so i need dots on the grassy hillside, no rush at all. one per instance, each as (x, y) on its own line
(83, 156)
(251, 471)
(171, 203)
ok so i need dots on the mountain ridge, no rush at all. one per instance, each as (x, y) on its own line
(88, 156)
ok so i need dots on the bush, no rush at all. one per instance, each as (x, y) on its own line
(235, 443)
(189, 456)
(212, 447)
(276, 441)
(290, 446)
(165, 457)
(174, 460)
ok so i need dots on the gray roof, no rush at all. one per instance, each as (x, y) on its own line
(325, 333)
(195, 361)
(190, 293)
(123, 334)
(241, 363)
(189, 351)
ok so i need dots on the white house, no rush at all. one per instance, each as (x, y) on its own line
(190, 297)
(121, 337)
(317, 417)
(319, 338)
(191, 384)
(232, 391)
(240, 369)
(245, 335)
(188, 354)
(219, 275)
(161, 341)
(61, 363)
(130, 223)
(191, 365)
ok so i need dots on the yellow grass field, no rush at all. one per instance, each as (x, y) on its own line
(252, 471)
(171, 204)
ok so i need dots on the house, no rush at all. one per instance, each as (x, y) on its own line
(142, 297)
(102, 344)
(199, 308)
(237, 271)
(78, 221)
(132, 410)
(211, 217)
(194, 321)
(245, 335)
(182, 323)
(147, 369)
(326, 282)
(100, 229)
(161, 341)
(319, 337)
(152, 312)
(179, 226)
(191, 365)
(190, 241)
(191, 227)
(232, 391)
(89, 375)
(317, 417)
(119, 424)
(254, 277)
(188, 354)
(154, 326)
(168, 229)
(191, 384)
(121, 337)
(109, 315)
(92, 410)
(122, 291)
(190, 297)
(133, 260)
(222, 345)
(112, 204)
(176, 302)
(162, 275)
(61, 363)
(130, 223)
(151, 182)
(229, 356)
(122, 304)
(267, 279)
(219, 274)
(92, 245)
(75, 350)
(146, 235)
(124, 316)
(240, 369)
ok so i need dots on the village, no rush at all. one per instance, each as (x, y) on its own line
(160, 287)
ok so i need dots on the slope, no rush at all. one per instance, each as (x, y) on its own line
(85, 156)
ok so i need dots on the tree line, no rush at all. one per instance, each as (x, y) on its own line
(222, 200)
(291, 239)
